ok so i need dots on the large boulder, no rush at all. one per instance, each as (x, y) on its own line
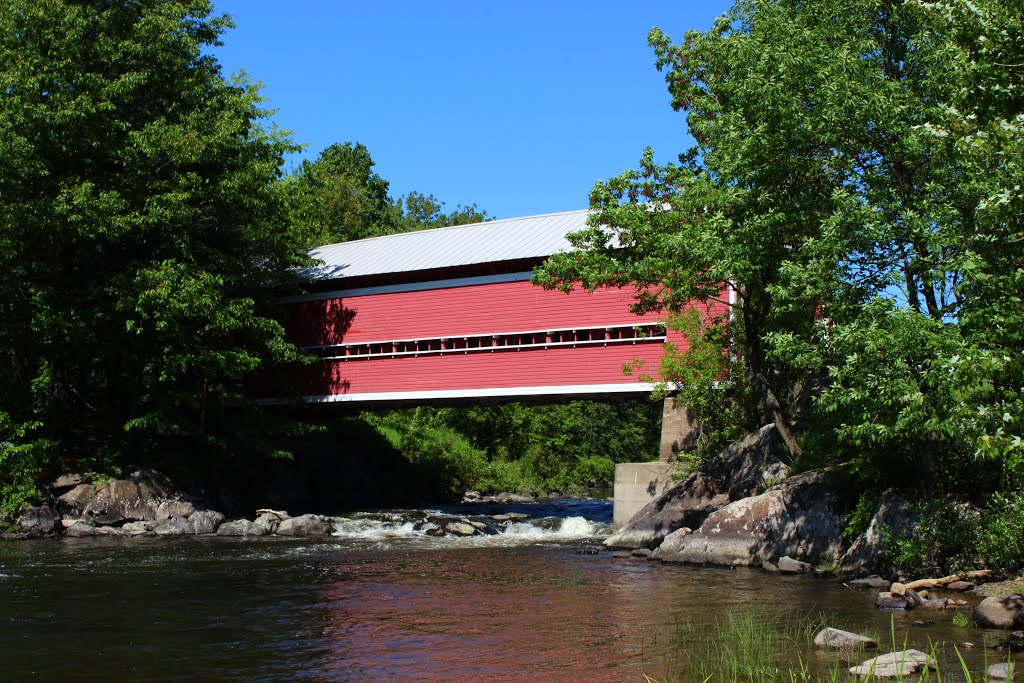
(117, 501)
(240, 527)
(748, 466)
(304, 525)
(173, 526)
(206, 521)
(895, 516)
(174, 508)
(799, 518)
(1000, 611)
(38, 521)
(270, 520)
(72, 503)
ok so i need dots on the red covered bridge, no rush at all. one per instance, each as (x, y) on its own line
(451, 314)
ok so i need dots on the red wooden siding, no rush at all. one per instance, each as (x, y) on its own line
(462, 311)
(564, 366)
(476, 309)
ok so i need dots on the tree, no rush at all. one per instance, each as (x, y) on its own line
(142, 231)
(338, 197)
(423, 212)
(832, 189)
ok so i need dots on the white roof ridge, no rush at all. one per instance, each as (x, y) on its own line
(451, 227)
(509, 239)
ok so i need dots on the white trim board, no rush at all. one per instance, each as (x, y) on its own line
(492, 392)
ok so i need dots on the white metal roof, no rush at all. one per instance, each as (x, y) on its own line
(461, 245)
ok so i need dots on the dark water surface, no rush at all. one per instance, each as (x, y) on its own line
(382, 603)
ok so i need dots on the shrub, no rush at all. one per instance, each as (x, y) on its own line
(945, 538)
(1002, 537)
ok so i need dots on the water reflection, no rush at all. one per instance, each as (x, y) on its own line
(410, 609)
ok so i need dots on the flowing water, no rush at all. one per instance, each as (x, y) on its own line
(380, 601)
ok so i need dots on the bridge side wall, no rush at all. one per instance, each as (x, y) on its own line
(486, 308)
(385, 316)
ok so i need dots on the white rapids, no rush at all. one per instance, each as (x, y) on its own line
(412, 527)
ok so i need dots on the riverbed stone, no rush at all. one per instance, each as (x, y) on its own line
(269, 521)
(960, 586)
(174, 508)
(1003, 671)
(240, 527)
(460, 529)
(510, 516)
(887, 600)
(894, 665)
(173, 526)
(913, 598)
(838, 639)
(672, 543)
(1000, 611)
(788, 565)
(506, 498)
(81, 529)
(304, 525)
(206, 521)
(873, 582)
(38, 521)
(142, 528)
(745, 467)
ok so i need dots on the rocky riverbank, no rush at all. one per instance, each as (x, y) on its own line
(746, 508)
(146, 503)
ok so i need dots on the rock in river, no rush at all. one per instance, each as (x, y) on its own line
(304, 525)
(895, 665)
(240, 527)
(206, 521)
(39, 521)
(837, 639)
(1000, 672)
(173, 526)
(1000, 611)
(460, 528)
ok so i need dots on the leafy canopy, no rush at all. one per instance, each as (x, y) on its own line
(141, 229)
(855, 166)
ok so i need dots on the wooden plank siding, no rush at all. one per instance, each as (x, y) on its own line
(473, 310)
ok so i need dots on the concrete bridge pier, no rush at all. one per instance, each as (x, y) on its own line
(638, 483)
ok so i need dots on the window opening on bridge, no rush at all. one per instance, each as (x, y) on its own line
(494, 343)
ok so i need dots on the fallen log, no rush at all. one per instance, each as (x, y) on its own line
(946, 580)
(932, 583)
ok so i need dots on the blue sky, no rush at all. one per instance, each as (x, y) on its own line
(517, 107)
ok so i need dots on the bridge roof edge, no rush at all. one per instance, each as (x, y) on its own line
(462, 245)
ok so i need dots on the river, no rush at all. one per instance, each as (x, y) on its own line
(381, 602)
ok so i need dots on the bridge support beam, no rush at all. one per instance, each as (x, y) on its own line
(678, 430)
(638, 483)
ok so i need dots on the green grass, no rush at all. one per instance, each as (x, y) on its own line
(753, 647)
